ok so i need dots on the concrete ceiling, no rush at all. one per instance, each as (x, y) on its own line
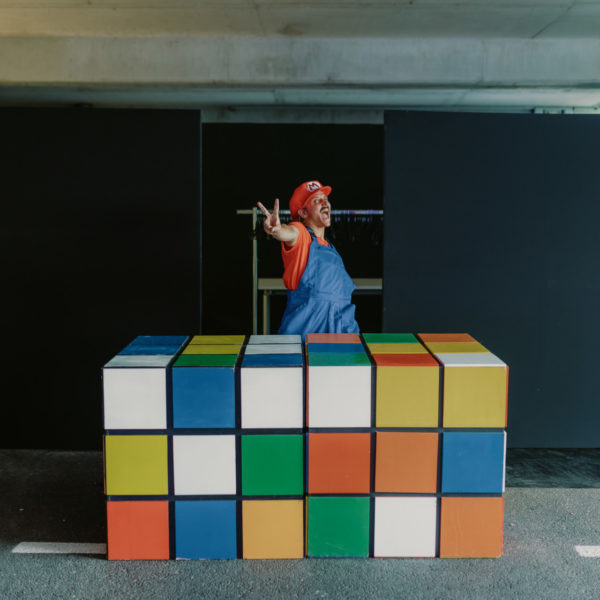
(475, 55)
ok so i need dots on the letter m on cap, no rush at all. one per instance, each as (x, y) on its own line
(313, 186)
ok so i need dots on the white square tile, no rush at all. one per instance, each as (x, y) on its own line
(469, 359)
(139, 360)
(275, 339)
(405, 526)
(339, 396)
(272, 397)
(204, 464)
(135, 398)
(274, 349)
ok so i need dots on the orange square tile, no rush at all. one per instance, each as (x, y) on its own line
(273, 528)
(471, 527)
(332, 338)
(138, 530)
(405, 360)
(446, 337)
(339, 463)
(406, 462)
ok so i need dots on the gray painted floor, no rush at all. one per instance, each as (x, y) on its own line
(552, 504)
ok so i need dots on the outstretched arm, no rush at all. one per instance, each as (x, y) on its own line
(274, 227)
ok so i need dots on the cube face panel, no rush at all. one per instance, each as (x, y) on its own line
(338, 526)
(462, 347)
(206, 529)
(405, 527)
(273, 349)
(339, 396)
(475, 396)
(407, 396)
(338, 359)
(332, 338)
(406, 462)
(274, 339)
(217, 340)
(272, 360)
(335, 348)
(212, 349)
(206, 360)
(272, 465)
(273, 528)
(138, 530)
(339, 463)
(139, 360)
(471, 527)
(135, 398)
(473, 462)
(136, 465)
(385, 348)
(405, 360)
(204, 464)
(272, 398)
(203, 397)
(446, 337)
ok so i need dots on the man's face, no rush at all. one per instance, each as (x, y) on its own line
(317, 211)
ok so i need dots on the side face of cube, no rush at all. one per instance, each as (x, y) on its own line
(204, 465)
(339, 396)
(135, 398)
(203, 397)
(405, 526)
(272, 398)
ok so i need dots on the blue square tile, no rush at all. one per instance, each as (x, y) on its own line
(272, 360)
(473, 462)
(205, 529)
(335, 348)
(203, 397)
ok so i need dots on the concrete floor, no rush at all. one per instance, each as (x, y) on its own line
(57, 496)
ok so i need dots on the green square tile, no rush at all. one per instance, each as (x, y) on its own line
(272, 465)
(337, 359)
(206, 360)
(338, 526)
(390, 338)
(136, 465)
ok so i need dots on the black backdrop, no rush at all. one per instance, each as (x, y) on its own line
(491, 228)
(100, 242)
(243, 164)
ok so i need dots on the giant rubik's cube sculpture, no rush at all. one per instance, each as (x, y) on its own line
(385, 445)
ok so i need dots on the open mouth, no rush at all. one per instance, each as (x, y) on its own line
(325, 212)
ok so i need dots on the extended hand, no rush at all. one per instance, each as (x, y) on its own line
(272, 224)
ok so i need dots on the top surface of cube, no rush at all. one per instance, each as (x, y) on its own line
(405, 360)
(470, 359)
(461, 347)
(332, 338)
(335, 348)
(169, 350)
(218, 339)
(273, 349)
(275, 339)
(382, 338)
(399, 348)
(212, 349)
(139, 360)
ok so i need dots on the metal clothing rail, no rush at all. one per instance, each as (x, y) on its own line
(254, 212)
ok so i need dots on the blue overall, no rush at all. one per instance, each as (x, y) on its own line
(321, 303)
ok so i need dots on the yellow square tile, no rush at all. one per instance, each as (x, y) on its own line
(475, 396)
(440, 347)
(387, 348)
(212, 349)
(407, 396)
(136, 465)
(273, 528)
(218, 339)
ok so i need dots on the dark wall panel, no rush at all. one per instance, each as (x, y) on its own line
(100, 242)
(491, 228)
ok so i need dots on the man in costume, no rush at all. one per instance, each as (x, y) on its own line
(319, 288)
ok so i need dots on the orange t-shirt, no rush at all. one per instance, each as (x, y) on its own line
(296, 257)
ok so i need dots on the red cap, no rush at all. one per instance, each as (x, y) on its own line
(303, 193)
